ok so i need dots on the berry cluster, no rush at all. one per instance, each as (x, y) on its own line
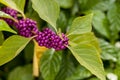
(49, 39)
(28, 28)
(12, 13)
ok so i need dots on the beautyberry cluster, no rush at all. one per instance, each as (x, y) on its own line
(12, 13)
(49, 39)
(27, 27)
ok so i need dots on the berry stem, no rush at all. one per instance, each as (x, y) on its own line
(35, 65)
(23, 15)
(16, 20)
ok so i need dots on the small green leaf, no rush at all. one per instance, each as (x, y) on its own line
(21, 73)
(17, 5)
(4, 15)
(100, 23)
(81, 25)
(50, 64)
(89, 57)
(1, 38)
(12, 47)
(48, 10)
(87, 38)
(5, 27)
(65, 3)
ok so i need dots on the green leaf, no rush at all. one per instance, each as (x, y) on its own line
(1, 38)
(75, 9)
(114, 18)
(20, 4)
(67, 68)
(87, 38)
(89, 57)
(21, 73)
(79, 74)
(108, 51)
(17, 5)
(5, 27)
(48, 10)
(12, 47)
(87, 4)
(103, 5)
(50, 64)
(65, 3)
(62, 22)
(4, 15)
(81, 25)
(113, 15)
(100, 23)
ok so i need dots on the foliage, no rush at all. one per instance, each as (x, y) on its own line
(92, 27)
